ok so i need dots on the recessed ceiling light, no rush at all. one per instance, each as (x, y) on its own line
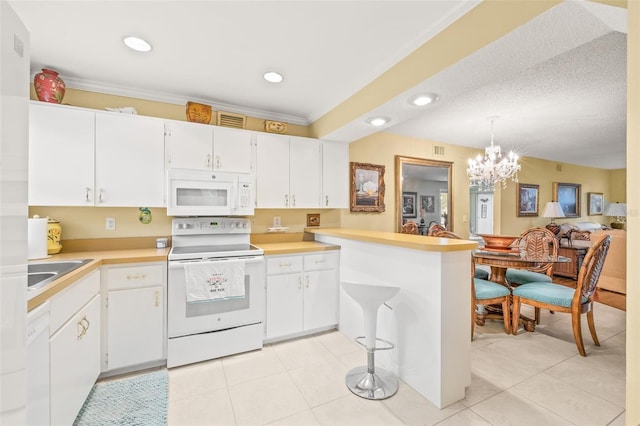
(137, 43)
(378, 121)
(423, 99)
(273, 77)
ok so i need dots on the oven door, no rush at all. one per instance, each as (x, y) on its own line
(201, 193)
(186, 318)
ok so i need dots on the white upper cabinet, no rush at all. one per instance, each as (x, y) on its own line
(288, 172)
(304, 172)
(129, 160)
(335, 175)
(231, 150)
(203, 147)
(189, 145)
(272, 171)
(61, 155)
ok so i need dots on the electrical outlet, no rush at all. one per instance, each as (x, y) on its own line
(276, 222)
(111, 224)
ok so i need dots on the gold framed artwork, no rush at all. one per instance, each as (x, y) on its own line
(367, 187)
(528, 201)
(596, 202)
(568, 195)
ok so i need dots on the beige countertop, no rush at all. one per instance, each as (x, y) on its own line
(104, 257)
(416, 242)
(295, 247)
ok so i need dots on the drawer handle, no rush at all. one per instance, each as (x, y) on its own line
(285, 265)
(82, 328)
(318, 262)
(136, 276)
(157, 294)
(307, 281)
(299, 282)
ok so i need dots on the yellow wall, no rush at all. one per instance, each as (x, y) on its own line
(381, 148)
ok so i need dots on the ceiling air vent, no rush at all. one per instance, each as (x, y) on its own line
(229, 119)
(438, 150)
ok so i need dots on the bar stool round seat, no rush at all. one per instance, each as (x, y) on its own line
(369, 381)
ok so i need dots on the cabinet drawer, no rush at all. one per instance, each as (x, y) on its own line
(142, 275)
(65, 304)
(321, 261)
(283, 265)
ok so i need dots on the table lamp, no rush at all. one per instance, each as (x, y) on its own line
(619, 210)
(553, 209)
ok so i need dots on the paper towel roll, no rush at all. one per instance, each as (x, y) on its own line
(37, 238)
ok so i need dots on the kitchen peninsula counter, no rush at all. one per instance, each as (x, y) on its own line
(100, 257)
(428, 320)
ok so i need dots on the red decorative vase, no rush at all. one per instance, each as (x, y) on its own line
(49, 87)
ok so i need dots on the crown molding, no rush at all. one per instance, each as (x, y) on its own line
(92, 86)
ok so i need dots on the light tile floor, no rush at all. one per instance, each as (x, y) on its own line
(530, 379)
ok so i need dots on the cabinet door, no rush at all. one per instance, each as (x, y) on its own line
(272, 171)
(320, 299)
(61, 156)
(304, 172)
(335, 175)
(189, 145)
(231, 150)
(135, 327)
(284, 305)
(75, 362)
(129, 160)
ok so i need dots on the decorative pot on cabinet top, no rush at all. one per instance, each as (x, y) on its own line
(49, 86)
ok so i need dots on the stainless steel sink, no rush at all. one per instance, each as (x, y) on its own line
(43, 273)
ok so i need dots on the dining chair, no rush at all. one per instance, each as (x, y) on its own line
(410, 228)
(536, 242)
(479, 273)
(560, 298)
(435, 227)
(484, 292)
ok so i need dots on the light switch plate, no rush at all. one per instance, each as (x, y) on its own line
(111, 224)
(276, 222)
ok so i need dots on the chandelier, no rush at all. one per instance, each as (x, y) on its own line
(492, 169)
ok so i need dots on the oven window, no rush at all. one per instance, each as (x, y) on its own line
(220, 306)
(203, 197)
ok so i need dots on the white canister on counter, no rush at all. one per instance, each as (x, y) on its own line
(161, 243)
(37, 233)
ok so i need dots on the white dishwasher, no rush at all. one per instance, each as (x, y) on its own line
(38, 365)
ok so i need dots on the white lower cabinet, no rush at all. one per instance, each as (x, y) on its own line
(74, 348)
(134, 298)
(302, 294)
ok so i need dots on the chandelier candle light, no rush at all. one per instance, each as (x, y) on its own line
(493, 168)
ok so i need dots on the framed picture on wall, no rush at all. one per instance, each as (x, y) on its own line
(596, 201)
(367, 187)
(409, 204)
(568, 195)
(528, 201)
(428, 203)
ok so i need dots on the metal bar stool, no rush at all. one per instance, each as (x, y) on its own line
(368, 381)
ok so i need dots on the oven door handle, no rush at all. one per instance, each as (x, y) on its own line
(174, 264)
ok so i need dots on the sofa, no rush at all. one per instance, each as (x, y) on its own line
(614, 272)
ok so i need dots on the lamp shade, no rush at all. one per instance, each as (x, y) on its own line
(616, 209)
(553, 209)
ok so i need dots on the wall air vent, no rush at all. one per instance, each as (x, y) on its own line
(438, 150)
(229, 119)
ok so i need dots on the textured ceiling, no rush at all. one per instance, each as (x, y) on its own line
(558, 82)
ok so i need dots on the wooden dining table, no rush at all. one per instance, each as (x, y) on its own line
(499, 262)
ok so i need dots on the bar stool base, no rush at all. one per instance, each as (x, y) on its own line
(379, 385)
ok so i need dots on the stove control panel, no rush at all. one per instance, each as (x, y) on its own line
(210, 225)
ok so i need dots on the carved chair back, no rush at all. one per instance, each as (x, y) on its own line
(410, 228)
(540, 242)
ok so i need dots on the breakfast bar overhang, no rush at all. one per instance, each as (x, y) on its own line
(428, 321)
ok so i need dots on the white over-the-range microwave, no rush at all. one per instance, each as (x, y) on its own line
(209, 193)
